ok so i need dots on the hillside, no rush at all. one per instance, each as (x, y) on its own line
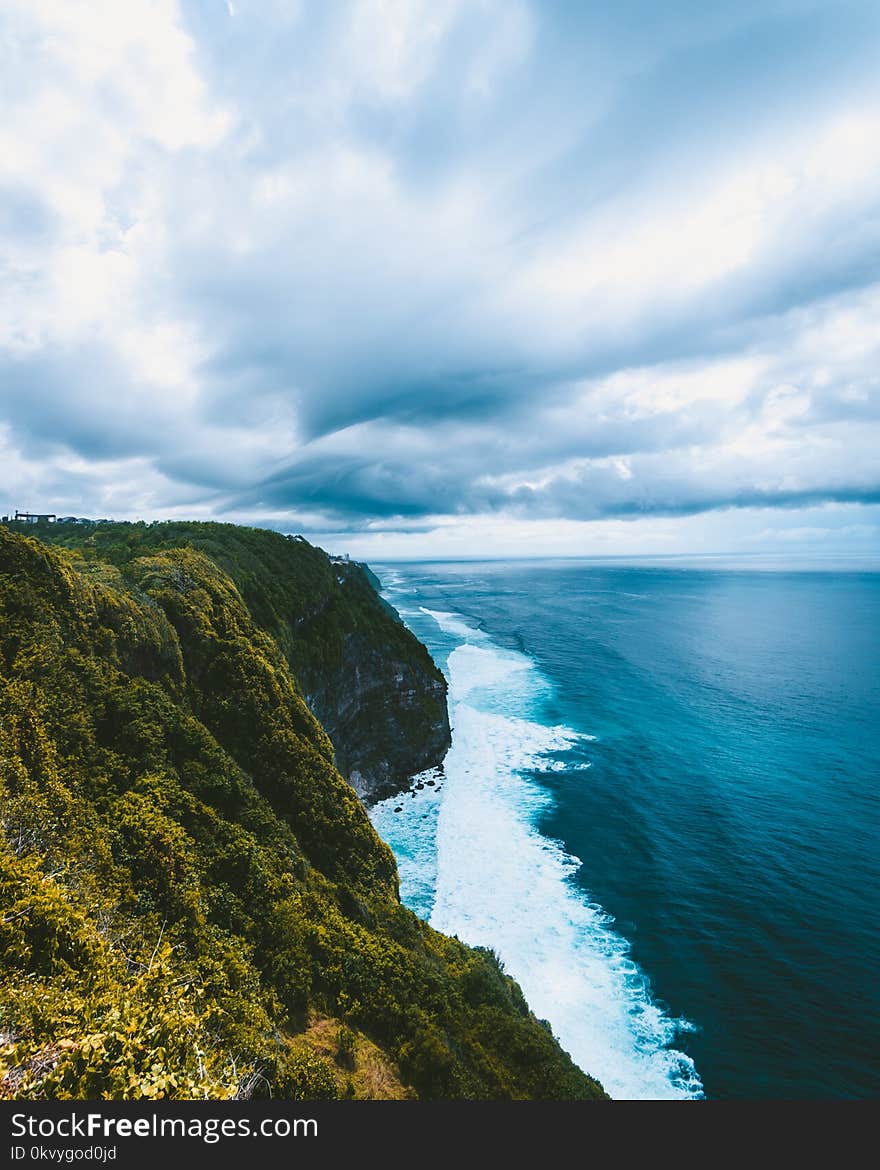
(193, 902)
(369, 681)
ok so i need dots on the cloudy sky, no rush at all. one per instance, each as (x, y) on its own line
(446, 277)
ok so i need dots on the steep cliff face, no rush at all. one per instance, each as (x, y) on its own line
(193, 902)
(384, 706)
(371, 684)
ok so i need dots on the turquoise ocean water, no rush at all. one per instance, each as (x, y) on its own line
(661, 808)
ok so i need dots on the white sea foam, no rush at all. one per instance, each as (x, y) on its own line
(455, 624)
(391, 578)
(472, 857)
(408, 822)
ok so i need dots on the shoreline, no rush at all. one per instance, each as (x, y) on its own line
(574, 968)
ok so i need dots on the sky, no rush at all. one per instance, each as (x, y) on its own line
(447, 277)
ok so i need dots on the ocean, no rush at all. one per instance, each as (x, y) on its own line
(661, 810)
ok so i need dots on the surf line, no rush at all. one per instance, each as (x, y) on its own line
(476, 865)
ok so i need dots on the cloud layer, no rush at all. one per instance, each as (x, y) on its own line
(394, 269)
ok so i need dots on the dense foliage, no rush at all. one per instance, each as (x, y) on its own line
(325, 616)
(192, 899)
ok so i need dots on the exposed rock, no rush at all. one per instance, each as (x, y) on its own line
(384, 703)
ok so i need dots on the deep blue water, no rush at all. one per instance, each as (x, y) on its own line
(691, 897)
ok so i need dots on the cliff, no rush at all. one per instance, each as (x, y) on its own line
(372, 685)
(384, 705)
(193, 902)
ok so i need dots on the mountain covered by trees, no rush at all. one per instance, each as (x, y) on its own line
(193, 902)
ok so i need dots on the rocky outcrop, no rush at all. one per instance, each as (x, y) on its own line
(384, 706)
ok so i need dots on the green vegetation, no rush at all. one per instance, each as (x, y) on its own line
(193, 902)
(370, 682)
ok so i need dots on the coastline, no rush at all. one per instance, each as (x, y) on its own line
(474, 863)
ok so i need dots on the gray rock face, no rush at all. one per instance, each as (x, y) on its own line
(384, 704)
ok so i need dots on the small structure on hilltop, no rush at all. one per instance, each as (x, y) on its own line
(35, 517)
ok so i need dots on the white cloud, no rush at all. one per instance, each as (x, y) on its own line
(395, 264)
(658, 251)
(106, 95)
(391, 45)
